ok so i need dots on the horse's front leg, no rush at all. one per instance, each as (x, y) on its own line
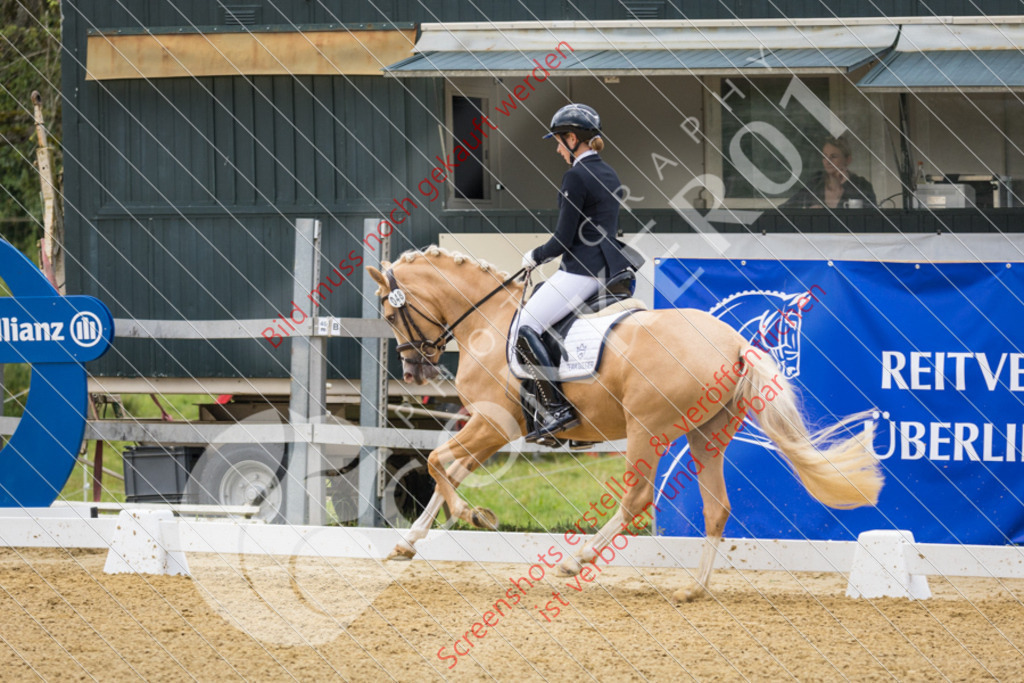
(634, 503)
(449, 465)
(404, 549)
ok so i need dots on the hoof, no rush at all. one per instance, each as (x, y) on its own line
(570, 566)
(482, 518)
(690, 594)
(401, 554)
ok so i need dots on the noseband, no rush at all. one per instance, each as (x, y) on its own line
(419, 341)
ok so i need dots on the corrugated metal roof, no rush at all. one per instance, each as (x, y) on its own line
(660, 62)
(951, 57)
(658, 48)
(958, 70)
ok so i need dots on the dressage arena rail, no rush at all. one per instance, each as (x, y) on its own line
(149, 539)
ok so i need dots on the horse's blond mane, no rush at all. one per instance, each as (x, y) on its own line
(457, 258)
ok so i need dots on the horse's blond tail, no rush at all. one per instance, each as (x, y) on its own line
(840, 474)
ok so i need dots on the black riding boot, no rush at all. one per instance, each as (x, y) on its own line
(556, 413)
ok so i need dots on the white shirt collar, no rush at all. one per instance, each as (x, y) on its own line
(583, 156)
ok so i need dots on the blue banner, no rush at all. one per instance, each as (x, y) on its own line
(933, 349)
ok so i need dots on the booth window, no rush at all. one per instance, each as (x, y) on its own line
(469, 175)
(771, 139)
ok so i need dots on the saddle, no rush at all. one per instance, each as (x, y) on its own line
(618, 289)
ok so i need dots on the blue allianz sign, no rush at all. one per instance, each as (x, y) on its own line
(934, 352)
(53, 329)
(55, 334)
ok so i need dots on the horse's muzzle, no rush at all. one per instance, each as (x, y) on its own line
(418, 371)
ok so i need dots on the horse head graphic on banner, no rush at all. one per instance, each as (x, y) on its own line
(770, 321)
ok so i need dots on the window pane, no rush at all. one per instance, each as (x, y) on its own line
(764, 142)
(469, 174)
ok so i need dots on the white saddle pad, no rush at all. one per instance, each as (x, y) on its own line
(584, 344)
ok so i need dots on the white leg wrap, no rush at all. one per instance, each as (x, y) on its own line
(422, 525)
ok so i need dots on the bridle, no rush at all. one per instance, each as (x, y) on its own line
(424, 346)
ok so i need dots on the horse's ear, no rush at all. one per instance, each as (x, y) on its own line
(380, 280)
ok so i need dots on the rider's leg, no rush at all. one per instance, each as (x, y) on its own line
(556, 414)
(561, 294)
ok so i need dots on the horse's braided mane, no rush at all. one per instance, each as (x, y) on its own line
(458, 258)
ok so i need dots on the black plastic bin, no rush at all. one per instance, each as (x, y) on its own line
(158, 474)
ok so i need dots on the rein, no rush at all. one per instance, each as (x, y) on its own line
(425, 347)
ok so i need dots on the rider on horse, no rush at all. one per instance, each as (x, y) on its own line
(586, 239)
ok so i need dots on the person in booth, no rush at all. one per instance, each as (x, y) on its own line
(585, 238)
(834, 187)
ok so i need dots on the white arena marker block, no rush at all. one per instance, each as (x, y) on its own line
(140, 547)
(880, 568)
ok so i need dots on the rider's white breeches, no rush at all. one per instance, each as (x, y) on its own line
(560, 295)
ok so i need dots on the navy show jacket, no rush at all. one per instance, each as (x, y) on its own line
(588, 222)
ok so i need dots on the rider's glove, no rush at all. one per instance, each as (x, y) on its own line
(528, 260)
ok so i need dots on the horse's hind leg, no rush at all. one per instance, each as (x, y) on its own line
(706, 452)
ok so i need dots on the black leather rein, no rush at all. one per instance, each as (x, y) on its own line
(426, 347)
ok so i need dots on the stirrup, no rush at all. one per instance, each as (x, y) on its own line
(568, 420)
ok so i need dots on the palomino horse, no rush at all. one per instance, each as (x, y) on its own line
(657, 366)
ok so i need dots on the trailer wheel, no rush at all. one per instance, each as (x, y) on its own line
(407, 492)
(241, 474)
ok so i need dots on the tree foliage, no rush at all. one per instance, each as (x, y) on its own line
(29, 60)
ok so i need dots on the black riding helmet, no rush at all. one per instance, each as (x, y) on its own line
(575, 118)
